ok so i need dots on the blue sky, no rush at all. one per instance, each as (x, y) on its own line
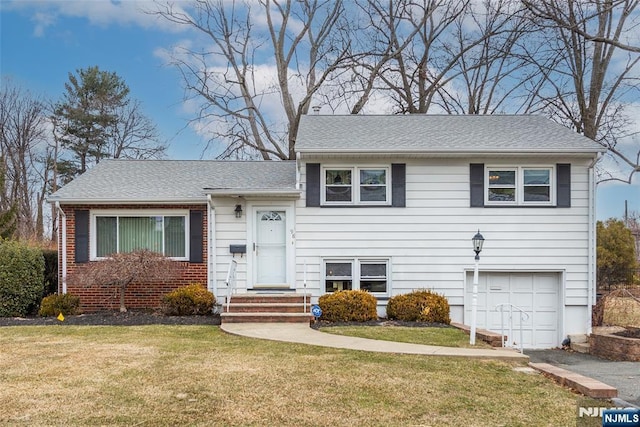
(43, 41)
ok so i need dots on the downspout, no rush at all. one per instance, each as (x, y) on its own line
(298, 171)
(211, 249)
(62, 219)
(591, 274)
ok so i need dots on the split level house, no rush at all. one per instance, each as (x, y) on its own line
(386, 204)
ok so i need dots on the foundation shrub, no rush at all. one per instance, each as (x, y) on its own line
(53, 305)
(419, 306)
(348, 306)
(21, 278)
(193, 299)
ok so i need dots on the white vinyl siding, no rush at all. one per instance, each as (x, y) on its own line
(429, 240)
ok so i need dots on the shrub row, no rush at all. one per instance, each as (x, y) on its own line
(360, 306)
(21, 278)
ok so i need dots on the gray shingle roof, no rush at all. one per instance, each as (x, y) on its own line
(438, 133)
(176, 180)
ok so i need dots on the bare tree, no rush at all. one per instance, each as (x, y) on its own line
(494, 76)
(23, 137)
(552, 12)
(122, 269)
(241, 101)
(594, 80)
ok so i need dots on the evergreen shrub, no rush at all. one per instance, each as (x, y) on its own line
(53, 305)
(21, 278)
(348, 306)
(188, 300)
(419, 306)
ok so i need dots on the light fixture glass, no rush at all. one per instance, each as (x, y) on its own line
(238, 211)
(478, 241)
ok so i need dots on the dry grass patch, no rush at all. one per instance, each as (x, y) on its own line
(197, 375)
(444, 336)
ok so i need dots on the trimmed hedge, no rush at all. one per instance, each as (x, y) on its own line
(53, 305)
(419, 306)
(21, 278)
(348, 306)
(188, 300)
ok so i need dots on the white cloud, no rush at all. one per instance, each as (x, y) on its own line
(103, 13)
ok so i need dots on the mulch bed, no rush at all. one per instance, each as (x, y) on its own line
(115, 318)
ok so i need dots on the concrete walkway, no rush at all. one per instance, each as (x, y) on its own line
(302, 334)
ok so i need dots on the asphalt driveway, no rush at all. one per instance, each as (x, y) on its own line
(625, 376)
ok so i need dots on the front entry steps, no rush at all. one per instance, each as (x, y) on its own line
(267, 308)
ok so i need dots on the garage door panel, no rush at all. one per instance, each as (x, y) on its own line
(536, 293)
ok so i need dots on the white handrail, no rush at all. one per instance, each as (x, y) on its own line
(231, 280)
(523, 316)
(304, 284)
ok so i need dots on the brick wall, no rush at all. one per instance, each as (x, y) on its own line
(139, 295)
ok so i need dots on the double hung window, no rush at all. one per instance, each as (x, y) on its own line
(519, 186)
(350, 274)
(356, 185)
(120, 232)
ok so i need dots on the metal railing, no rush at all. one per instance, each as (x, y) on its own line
(231, 280)
(523, 317)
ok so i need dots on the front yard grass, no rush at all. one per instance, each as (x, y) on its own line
(441, 336)
(198, 375)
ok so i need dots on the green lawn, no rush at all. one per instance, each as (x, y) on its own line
(199, 376)
(447, 337)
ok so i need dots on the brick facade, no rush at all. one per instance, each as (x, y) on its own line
(138, 295)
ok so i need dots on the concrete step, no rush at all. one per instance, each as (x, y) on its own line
(261, 307)
(266, 317)
(578, 338)
(580, 347)
(256, 298)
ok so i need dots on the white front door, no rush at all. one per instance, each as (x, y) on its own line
(271, 247)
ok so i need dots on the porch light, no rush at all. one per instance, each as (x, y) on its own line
(238, 211)
(478, 241)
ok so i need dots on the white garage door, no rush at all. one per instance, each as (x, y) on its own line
(538, 294)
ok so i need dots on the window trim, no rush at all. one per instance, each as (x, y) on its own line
(520, 186)
(356, 275)
(137, 213)
(356, 185)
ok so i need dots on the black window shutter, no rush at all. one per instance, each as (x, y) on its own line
(476, 176)
(563, 185)
(399, 185)
(313, 184)
(82, 236)
(195, 236)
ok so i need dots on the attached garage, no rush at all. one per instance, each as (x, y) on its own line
(536, 293)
